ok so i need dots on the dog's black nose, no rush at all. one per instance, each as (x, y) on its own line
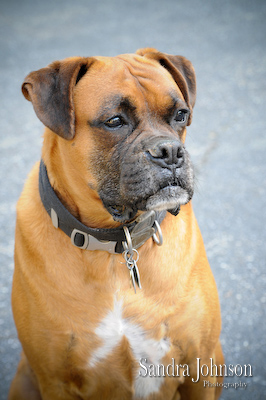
(167, 153)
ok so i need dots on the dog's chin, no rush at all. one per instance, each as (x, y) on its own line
(168, 198)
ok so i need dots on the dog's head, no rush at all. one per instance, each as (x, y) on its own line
(129, 115)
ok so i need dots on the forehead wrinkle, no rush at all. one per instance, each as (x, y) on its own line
(116, 102)
(147, 84)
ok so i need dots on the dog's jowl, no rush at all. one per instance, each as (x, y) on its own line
(113, 296)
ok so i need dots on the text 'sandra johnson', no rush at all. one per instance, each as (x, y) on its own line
(204, 370)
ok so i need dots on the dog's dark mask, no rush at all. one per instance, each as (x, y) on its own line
(145, 173)
(140, 161)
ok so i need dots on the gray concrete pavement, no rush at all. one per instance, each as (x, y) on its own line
(226, 41)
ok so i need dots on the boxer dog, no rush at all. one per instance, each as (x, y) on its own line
(113, 296)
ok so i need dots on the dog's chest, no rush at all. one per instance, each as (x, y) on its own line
(126, 346)
(115, 326)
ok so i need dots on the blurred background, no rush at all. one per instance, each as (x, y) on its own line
(226, 42)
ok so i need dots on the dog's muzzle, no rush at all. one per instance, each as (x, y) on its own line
(154, 174)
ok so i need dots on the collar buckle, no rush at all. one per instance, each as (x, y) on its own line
(84, 241)
(79, 239)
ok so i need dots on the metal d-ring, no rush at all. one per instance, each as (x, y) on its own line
(158, 241)
(129, 257)
(128, 244)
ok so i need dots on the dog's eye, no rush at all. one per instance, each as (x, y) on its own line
(181, 116)
(114, 122)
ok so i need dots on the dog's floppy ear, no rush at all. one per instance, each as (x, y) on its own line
(51, 90)
(182, 71)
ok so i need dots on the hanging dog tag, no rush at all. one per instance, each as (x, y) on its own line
(136, 274)
(132, 279)
(133, 268)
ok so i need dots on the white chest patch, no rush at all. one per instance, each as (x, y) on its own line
(112, 329)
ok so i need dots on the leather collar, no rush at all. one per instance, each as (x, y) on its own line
(113, 240)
